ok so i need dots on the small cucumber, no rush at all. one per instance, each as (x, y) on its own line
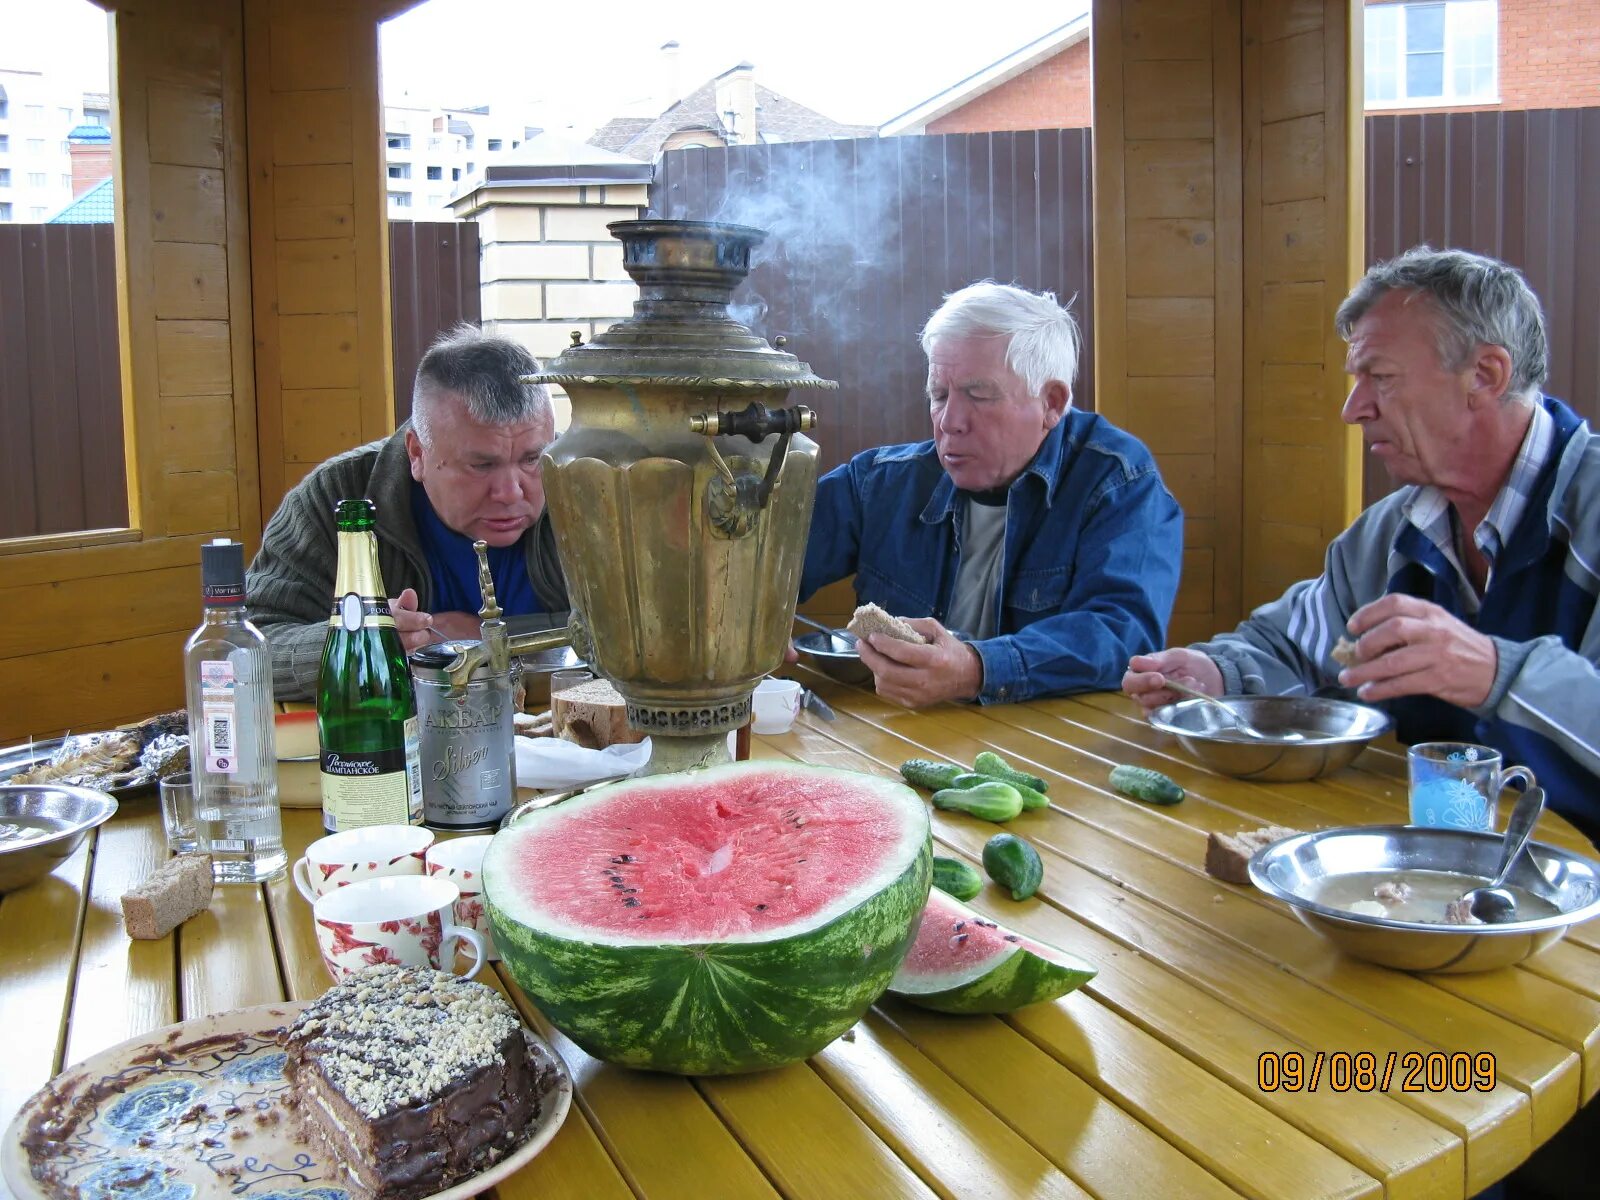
(969, 779)
(1014, 864)
(1144, 784)
(959, 879)
(925, 773)
(991, 764)
(1030, 797)
(992, 801)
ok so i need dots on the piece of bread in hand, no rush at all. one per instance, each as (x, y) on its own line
(869, 618)
(1228, 855)
(1344, 652)
(179, 889)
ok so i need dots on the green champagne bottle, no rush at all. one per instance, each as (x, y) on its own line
(366, 705)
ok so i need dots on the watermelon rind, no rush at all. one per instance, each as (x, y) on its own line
(1026, 972)
(714, 1007)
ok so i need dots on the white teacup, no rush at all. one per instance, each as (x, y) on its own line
(371, 852)
(402, 919)
(460, 860)
(776, 705)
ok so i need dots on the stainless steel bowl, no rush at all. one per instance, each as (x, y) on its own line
(536, 671)
(834, 654)
(1335, 731)
(1293, 869)
(43, 823)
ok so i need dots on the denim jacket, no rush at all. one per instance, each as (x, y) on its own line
(1093, 548)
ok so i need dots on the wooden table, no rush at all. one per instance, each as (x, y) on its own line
(1142, 1084)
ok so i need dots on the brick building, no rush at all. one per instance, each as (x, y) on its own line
(1420, 55)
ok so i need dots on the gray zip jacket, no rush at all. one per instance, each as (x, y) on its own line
(1540, 608)
(289, 586)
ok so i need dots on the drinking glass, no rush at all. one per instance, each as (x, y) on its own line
(1457, 785)
(569, 677)
(177, 813)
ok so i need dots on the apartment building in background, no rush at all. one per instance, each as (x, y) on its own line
(430, 153)
(54, 143)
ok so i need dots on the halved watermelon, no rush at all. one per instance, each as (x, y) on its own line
(716, 921)
(962, 962)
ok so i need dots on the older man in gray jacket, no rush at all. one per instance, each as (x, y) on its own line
(1470, 593)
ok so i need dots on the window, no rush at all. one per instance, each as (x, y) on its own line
(97, 116)
(5, 212)
(66, 181)
(5, 143)
(35, 145)
(494, 143)
(1426, 54)
(399, 170)
(34, 113)
(38, 212)
(399, 141)
(36, 179)
(455, 174)
(5, 176)
(400, 199)
(435, 172)
(68, 116)
(66, 147)
(5, 111)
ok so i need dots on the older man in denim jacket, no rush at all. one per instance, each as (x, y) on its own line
(1033, 544)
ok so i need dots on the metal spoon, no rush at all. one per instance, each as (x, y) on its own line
(841, 638)
(1242, 725)
(1495, 905)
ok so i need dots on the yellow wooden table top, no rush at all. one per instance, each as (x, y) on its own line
(1143, 1084)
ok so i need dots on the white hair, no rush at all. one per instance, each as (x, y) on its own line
(1044, 339)
(486, 372)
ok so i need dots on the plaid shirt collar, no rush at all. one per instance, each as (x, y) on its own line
(1430, 512)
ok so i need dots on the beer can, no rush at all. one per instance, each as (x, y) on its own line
(469, 778)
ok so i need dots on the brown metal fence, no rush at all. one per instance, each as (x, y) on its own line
(433, 285)
(866, 237)
(60, 393)
(1522, 186)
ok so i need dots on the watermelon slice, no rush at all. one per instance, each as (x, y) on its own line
(962, 962)
(717, 921)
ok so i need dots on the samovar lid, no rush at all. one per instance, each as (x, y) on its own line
(681, 333)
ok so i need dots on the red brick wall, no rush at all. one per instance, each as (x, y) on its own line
(1549, 53)
(90, 164)
(1053, 95)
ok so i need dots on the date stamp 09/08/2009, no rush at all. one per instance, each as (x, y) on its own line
(1365, 1071)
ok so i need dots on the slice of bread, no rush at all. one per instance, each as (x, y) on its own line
(1344, 652)
(869, 618)
(593, 715)
(178, 890)
(1228, 855)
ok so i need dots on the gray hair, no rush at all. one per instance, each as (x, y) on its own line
(1044, 337)
(1478, 301)
(486, 372)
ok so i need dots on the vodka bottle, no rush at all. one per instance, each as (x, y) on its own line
(366, 704)
(228, 677)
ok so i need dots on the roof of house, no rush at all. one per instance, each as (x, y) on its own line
(778, 119)
(985, 79)
(94, 207)
(97, 99)
(89, 133)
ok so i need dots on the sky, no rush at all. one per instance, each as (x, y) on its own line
(859, 62)
(68, 37)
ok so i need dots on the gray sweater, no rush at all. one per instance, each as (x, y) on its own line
(290, 583)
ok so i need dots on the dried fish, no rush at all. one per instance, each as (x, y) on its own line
(85, 757)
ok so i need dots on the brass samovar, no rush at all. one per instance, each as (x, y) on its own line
(681, 493)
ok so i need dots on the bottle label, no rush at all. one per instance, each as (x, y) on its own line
(352, 611)
(361, 788)
(414, 767)
(217, 711)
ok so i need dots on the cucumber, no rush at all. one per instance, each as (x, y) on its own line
(1030, 797)
(1141, 783)
(1014, 864)
(992, 801)
(969, 779)
(959, 879)
(925, 773)
(991, 764)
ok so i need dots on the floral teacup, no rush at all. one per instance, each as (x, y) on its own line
(371, 852)
(460, 860)
(400, 919)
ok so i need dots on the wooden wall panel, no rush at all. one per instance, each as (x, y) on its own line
(185, 346)
(1167, 281)
(319, 234)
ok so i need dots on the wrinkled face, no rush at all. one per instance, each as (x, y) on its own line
(1412, 410)
(986, 425)
(484, 481)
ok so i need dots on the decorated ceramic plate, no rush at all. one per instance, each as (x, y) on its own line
(193, 1111)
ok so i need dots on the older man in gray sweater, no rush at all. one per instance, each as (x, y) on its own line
(465, 467)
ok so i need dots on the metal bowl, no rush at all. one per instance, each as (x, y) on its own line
(1292, 869)
(536, 671)
(1336, 731)
(834, 654)
(43, 823)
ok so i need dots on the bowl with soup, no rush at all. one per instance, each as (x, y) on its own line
(1387, 894)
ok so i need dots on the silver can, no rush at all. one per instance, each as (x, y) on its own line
(469, 778)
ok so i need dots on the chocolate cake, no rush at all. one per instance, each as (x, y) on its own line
(413, 1079)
